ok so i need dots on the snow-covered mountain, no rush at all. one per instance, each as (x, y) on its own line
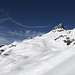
(48, 54)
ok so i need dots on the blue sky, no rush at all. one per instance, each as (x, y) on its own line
(20, 19)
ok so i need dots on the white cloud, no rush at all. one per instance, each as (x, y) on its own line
(13, 33)
(4, 19)
(17, 35)
(28, 33)
(4, 41)
(20, 36)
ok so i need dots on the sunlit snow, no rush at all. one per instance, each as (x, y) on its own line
(47, 54)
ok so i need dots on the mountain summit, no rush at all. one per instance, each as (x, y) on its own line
(60, 26)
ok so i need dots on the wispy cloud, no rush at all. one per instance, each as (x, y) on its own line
(5, 16)
(2, 29)
(20, 24)
(32, 33)
(4, 19)
(27, 33)
(4, 41)
(7, 36)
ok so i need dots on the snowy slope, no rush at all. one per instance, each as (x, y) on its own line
(65, 68)
(41, 55)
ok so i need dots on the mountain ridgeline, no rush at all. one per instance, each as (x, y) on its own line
(57, 36)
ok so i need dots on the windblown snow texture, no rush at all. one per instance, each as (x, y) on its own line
(48, 54)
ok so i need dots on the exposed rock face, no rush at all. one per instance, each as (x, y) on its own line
(68, 41)
(1, 51)
(1, 46)
(60, 26)
(12, 46)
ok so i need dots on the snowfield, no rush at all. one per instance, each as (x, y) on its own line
(48, 54)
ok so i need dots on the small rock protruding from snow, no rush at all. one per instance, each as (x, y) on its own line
(12, 46)
(1, 51)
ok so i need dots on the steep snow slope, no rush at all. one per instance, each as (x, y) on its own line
(65, 68)
(39, 55)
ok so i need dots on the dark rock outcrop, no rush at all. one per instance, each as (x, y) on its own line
(12, 46)
(1, 51)
(60, 26)
(68, 41)
(1, 46)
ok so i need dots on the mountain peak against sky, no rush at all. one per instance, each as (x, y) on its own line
(60, 26)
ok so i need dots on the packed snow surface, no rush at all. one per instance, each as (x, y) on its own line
(48, 54)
